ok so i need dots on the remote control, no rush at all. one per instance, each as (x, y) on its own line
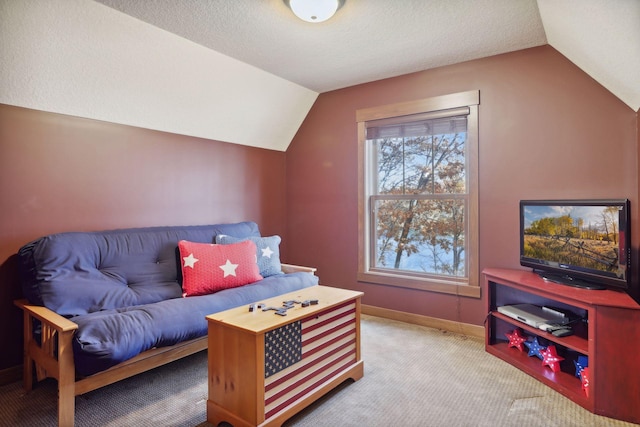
(562, 332)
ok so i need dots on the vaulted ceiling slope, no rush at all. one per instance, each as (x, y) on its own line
(248, 71)
(374, 39)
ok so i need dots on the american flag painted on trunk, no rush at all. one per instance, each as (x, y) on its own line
(282, 348)
(328, 346)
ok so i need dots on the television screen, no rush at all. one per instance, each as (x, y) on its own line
(583, 243)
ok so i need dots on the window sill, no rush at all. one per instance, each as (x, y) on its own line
(461, 288)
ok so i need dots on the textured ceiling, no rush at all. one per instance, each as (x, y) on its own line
(369, 40)
(366, 40)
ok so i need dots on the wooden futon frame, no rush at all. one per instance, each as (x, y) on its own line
(52, 356)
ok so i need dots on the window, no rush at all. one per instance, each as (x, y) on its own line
(418, 193)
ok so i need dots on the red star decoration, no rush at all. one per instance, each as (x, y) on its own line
(516, 339)
(550, 358)
(584, 375)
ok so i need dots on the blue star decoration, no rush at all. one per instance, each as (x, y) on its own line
(535, 348)
(581, 363)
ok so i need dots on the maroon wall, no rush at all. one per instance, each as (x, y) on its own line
(61, 173)
(546, 130)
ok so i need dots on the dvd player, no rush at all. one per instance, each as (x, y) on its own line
(534, 315)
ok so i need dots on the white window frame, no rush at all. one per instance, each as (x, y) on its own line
(434, 106)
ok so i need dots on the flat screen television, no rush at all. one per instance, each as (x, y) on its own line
(582, 243)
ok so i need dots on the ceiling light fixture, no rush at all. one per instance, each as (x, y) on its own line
(314, 10)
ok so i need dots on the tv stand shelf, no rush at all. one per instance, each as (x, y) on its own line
(608, 335)
(578, 341)
(565, 384)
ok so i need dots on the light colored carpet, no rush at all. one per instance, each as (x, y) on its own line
(414, 376)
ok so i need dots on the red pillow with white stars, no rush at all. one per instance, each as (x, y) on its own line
(209, 268)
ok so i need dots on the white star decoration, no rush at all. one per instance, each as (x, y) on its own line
(229, 269)
(267, 252)
(190, 260)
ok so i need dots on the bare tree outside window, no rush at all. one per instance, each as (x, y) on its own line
(418, 194)
(419, 220)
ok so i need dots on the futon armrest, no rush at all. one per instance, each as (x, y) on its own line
(46, 316)
(290, 268)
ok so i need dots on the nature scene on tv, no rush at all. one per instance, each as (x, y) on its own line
(581, 236)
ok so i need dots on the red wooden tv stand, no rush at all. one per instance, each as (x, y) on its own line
(609, 337)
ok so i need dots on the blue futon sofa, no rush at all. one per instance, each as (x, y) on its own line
(102, 306)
